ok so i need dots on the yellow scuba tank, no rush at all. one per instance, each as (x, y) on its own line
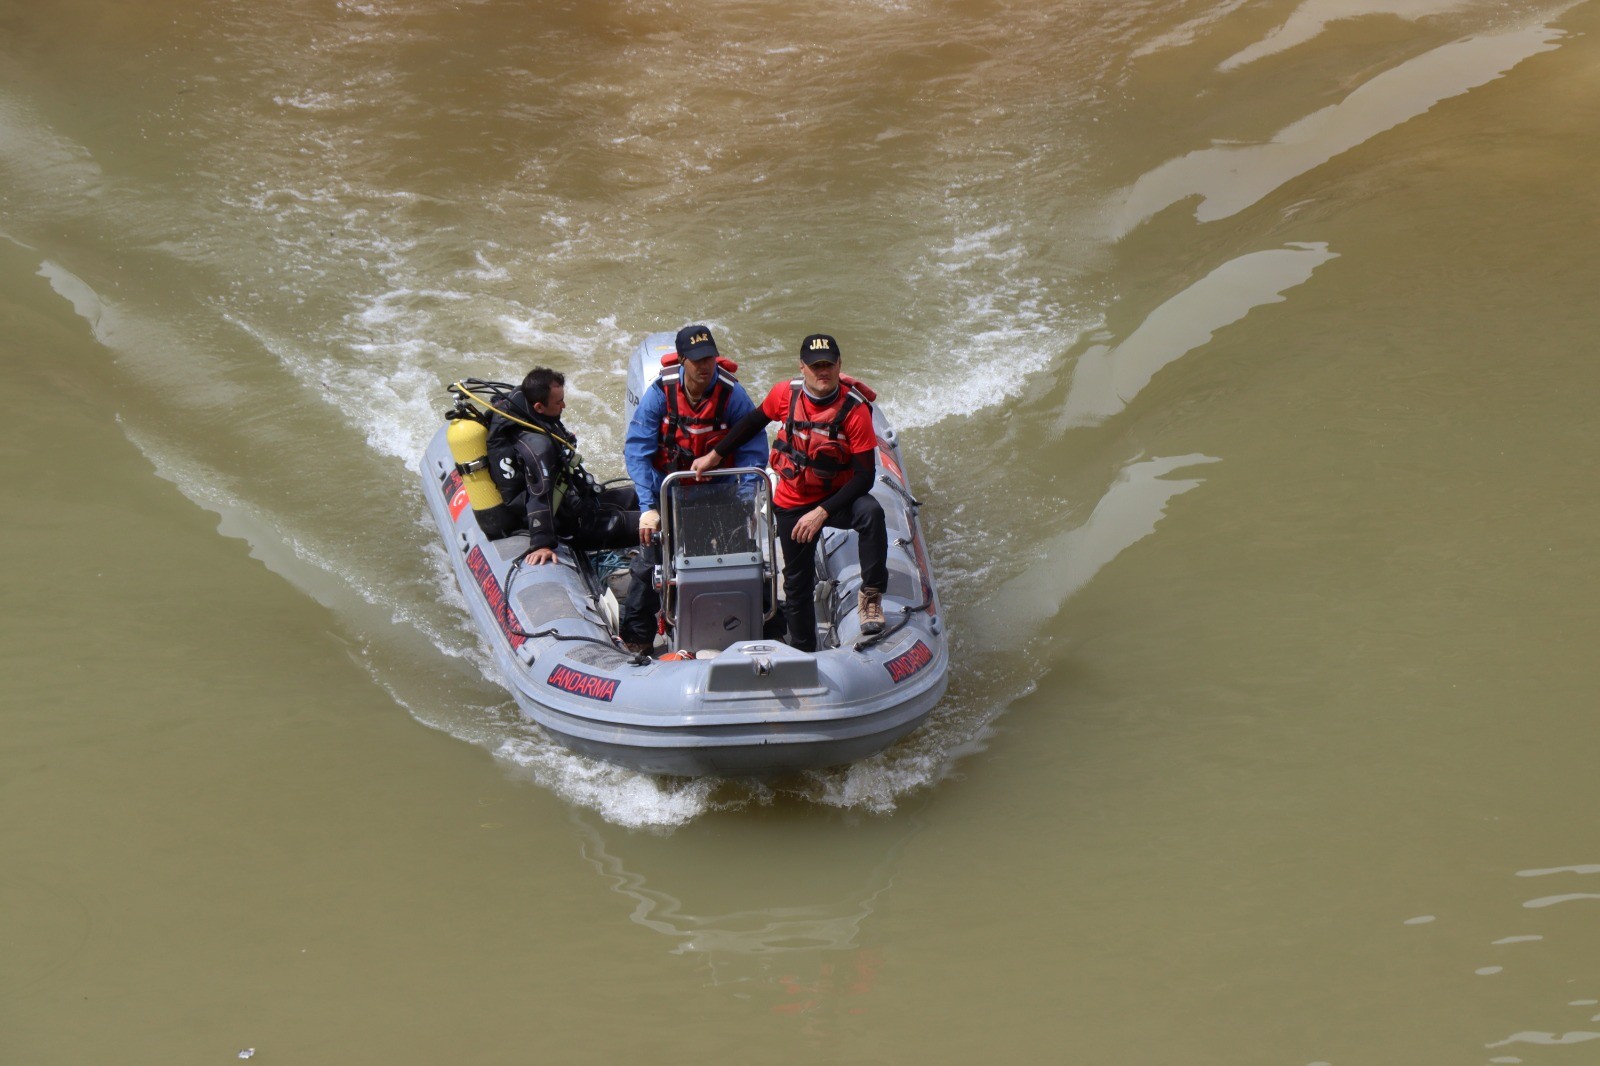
(468, 437)
(469, 447)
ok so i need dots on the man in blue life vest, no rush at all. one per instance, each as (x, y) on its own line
(681, 415)
(825, 456)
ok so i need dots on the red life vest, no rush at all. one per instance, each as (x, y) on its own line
(688, 431)
(816, 455)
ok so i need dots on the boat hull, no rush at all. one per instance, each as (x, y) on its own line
(756, 708)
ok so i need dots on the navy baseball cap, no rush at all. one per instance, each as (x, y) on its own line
(696, 342)
(819, 348)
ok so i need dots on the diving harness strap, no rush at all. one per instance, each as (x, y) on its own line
(572, 472)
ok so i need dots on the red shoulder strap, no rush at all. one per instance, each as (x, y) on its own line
(860, 386)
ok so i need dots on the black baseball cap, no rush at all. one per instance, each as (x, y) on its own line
(696, 342)
(819, 348)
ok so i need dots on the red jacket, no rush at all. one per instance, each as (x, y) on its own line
(811, 453)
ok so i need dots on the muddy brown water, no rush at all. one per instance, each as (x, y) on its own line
(1243, 353)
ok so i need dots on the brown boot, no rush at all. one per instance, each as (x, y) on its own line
(869, 605)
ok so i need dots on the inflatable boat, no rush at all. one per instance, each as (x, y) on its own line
(718, 698)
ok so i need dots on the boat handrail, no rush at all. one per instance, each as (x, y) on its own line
(668, 555)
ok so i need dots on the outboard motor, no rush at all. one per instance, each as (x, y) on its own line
(719, 575)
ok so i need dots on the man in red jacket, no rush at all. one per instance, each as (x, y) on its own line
(825, 456)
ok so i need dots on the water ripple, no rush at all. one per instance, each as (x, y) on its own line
(1534, 1037)
(1550, 901)
(1107, 378)
(1230, 179)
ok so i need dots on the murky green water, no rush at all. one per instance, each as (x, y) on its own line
(1244, 355)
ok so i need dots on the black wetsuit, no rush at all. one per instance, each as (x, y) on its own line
(530, 465)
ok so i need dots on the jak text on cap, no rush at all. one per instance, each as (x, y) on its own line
(819, 348)
(696, 342)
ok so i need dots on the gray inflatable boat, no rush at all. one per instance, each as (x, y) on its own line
(722, 700)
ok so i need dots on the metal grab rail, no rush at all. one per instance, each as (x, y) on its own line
(762, 517)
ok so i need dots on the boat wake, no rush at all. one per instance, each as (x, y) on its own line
(334, 312)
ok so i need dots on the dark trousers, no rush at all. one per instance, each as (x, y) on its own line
(611, 521)
(865, 516)
(642, 603)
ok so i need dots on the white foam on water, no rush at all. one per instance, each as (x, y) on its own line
(620, 796)
(486, 270)
(996, 329)
(958, 729)
(86, 303)
(875, 786)
(315, 101)
(391, 392)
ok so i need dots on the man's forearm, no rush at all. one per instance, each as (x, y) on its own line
(742, 433)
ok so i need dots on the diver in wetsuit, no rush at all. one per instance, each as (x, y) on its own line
(534, 460)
